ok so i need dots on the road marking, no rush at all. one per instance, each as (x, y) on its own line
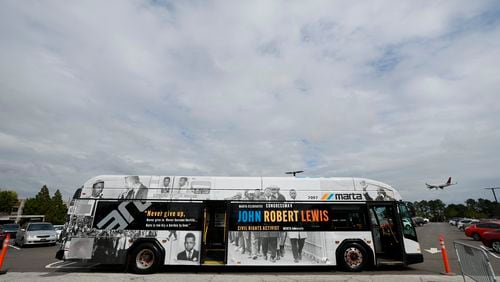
(490, 252)
(433, 250)
(12, 246)
(69, 264)
(65, 263)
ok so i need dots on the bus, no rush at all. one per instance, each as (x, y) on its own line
(145, 222)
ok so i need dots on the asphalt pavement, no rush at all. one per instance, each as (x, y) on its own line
(223, 277)
(38, 263)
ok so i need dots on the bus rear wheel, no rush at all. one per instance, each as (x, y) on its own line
(353, 257)
(144, 259)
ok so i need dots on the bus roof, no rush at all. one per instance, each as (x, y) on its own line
(236, 188)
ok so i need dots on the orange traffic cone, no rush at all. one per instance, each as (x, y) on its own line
(4, 252)
(447, 269)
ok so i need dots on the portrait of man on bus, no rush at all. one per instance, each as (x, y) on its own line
(134, 188)
(268, 194)
(381, 195)
(189, 252)
(166, 185)
(276, 195)
(183, 183)
(97, 188)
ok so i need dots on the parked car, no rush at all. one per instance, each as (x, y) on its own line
(453, 221)
(476, 230)
(2, 237)
(418, 221)
(467, 224)
(10, 228)
(491, 239)
(426, 220)
(36, 233)
(463, 223)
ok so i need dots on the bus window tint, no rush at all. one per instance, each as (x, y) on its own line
(349, 220)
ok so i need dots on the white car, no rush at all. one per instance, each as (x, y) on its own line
(426, 220)
(462, 224)
(36, 233)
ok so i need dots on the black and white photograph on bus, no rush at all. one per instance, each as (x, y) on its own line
(127, 187)
(258, 247)
(185, 247)
(111, 245)
(181, 247)
(373, 192)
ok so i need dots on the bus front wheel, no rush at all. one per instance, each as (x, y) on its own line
(353, 257)
(144, 259)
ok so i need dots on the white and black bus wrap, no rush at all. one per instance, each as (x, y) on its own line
(145, 222)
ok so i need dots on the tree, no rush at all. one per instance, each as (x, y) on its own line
(422, 209)
(31, 206)
(8, 200)
(57, 213)
(453, 210)
(471, 210)
(436, 208)
(53, 208)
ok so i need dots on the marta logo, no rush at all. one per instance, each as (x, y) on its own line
(342, 197)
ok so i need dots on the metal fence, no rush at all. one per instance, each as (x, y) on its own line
(474, 263)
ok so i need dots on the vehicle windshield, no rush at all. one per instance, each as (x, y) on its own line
(408, 228)
(40, 226)
(10, 226)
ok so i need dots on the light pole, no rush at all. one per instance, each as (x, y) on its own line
(493, 190)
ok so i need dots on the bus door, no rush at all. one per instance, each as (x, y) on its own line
(214, 233)
(387, 237)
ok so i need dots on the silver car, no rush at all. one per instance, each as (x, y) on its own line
(36, 233)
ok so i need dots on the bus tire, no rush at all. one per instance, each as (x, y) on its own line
(144, 259)
(353, 257)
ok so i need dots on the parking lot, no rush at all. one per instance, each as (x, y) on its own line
(41, 259)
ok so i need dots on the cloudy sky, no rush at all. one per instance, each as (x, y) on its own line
(404, 92)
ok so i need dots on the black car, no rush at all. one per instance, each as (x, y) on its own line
(10, 228)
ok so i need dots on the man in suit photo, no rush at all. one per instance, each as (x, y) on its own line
(189, 252)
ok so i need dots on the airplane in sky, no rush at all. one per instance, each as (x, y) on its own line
(440, 186)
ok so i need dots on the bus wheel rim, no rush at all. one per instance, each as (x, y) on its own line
(353, 257)
(145, 259)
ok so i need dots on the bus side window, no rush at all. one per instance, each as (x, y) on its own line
(348, 220)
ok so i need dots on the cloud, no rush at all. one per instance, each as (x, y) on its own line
(401, 92)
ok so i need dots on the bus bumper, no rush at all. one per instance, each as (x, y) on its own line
(414, 258)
